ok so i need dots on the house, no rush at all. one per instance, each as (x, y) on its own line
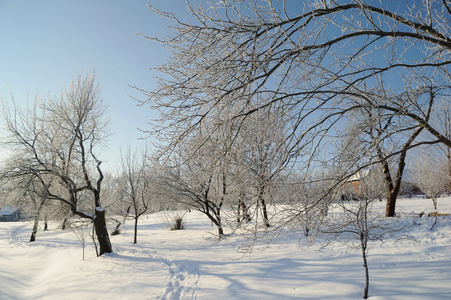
(357, 185)
(9, 214)
(353, 187)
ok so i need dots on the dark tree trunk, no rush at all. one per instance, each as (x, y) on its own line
(245, 212)
(242, 213)
(102, 232)
(434, 201)
(34, 232)
(262, 201)
(365, 265)
(64, 224)
(46, 224)
(117, 230)
(265, 212)
(238, 214)
(394, 185)
(214, 214)
(391, 205)
(135, 235)
(219, 224)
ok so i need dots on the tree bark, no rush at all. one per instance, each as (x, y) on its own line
(365, 265)
(265, 212)
(242, 214)
(434, 201)
(393, 186)
(102, 232)
(391, 204)
(135, 235)
(34, 232)
(64, 224)
(117, 230)
(262, 201)
(238, 215)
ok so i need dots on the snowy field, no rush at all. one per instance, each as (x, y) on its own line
(192, 264)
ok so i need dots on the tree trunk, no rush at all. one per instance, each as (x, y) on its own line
(393, 186)
(34, 232)
(135, 235)
(218, 217)
(391, 205)
(242, 214)
(363, 243)
(64, 224)
(434, 200)
(367, 275)
(238, 215)
(102, 232)
(117, 230)
(263, 203)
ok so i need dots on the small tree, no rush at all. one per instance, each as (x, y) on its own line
(431, 176)
(81, 231)
(197, 182)
(136, 185)
(304, 192)
(357, 223)
(261, 154)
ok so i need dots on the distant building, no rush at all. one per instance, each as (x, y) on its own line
(356, 185)
(9, 214)
(353, 187)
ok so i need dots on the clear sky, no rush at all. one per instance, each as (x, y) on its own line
(45, 44)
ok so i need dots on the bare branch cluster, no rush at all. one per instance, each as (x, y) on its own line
(53, 142)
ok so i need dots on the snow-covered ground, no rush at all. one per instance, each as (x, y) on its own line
(192, 264)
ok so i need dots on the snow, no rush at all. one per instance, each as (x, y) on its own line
(193, 264)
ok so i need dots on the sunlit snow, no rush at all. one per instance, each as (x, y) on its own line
(192, 264)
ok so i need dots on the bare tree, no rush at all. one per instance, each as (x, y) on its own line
(431, 176)
(80, 229)
(55, 142)
(198, 182)
(319, 62)
(303, 193)
(442, 120)
(261, 155)
(357, 223)
(136, 185)
(385, 140)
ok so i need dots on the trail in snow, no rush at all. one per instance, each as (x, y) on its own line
(182, 283)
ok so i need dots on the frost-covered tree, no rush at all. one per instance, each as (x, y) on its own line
(56, 142)
(373, 137)
(356, 223)
(261, 155)
(136, 185)
(442, 120)
(318, 61)
(431, 175)
(197, 180)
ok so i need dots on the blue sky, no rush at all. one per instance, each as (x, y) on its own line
(45, 44)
